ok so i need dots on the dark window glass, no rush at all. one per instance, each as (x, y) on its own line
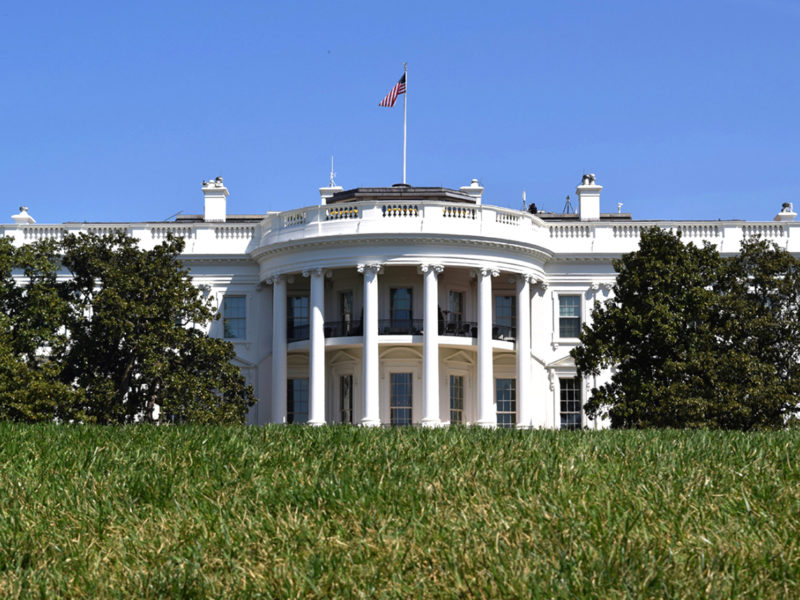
(506, 395)
(234, 322)
(456, 399)
(569, 316)
(401, 307)
(571, 417)
(401, 400)
(297, 315)
(297, 401)
(456, 308)
(346, 398)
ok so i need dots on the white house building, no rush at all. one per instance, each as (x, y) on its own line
(410, 305)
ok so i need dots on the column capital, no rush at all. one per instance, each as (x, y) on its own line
(274, 278)
(542, 284)
(529, 277)
(606, 286)
(486, 272)
(309, 272)
(424, 268)
(373, 267)
(594, 286)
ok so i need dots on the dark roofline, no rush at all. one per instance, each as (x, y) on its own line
(546, 216)
(400, 192)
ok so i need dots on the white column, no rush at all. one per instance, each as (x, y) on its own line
(524, 392)
(371, 404)
(278, 348)
(430, 346)
(316, 354)
(487, 414)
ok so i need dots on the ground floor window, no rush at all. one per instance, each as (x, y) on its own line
(456, 399)
(346, 399)
(506, 396)
(297, 401)
(571, 414)
(401, 399)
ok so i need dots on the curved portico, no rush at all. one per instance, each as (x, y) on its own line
(440, 307)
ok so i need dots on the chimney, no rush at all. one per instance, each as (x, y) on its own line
(787, 213)
(589, 198)
(215, 193)
(23, 218)
(474, 189)
(326, 193)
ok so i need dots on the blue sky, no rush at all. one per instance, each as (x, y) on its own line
(117, 111)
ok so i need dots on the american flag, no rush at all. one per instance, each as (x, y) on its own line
(391, 97)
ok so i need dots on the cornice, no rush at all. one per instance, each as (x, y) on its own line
(379, 239)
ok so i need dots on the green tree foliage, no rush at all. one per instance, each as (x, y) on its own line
(31, 314)
(121, 331)
(136, 339)
(696, 340)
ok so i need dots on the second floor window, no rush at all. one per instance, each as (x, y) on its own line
(569, 316)
(234, 321)
(297, 314)
(401, 306)
(455, 307)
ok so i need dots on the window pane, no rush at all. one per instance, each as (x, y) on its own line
(346, 398)
(569, 310)
(505, 310)
(456, 399)
(506, 395)
(233, 317)
(456, 307)
(401, 305)
(297, 401)
(401, 400)
(570, 391)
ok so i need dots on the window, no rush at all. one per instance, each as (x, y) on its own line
(401, 307)
(570, 389)
(456, 308)
(346, 310)
(297, 314)
(297, 401)
(569, 316)
(506, 395)
(234, 322)
(400, 406)
(346, 399)
(505, 316)
(456, 400)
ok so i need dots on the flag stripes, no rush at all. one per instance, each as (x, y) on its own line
(391, 97)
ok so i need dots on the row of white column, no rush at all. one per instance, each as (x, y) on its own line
(487, 414)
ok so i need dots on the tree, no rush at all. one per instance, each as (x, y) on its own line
(756, 376)
(654, 331)
(696, 340)
(135, 335)
(31, 314)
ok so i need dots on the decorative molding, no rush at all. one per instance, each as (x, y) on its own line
(309, 272)
(424, 268)
(551, 377)
(375, 268)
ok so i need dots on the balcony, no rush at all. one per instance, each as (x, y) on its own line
(297, 330)
(343, 328)
(400, 326)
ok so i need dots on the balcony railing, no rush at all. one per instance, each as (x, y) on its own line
(459, 328)
(503, 332)
(400, 326)
(296, 332)
(343, 328)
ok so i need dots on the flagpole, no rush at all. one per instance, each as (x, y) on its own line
(405, 113)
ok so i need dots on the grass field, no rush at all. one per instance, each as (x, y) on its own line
(296, 512)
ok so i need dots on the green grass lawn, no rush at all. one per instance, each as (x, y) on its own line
(338, 511)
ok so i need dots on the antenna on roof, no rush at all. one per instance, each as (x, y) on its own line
(524, 201)
(568, 210)
(333, 183)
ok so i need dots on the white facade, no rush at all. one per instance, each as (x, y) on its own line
(410, 305)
